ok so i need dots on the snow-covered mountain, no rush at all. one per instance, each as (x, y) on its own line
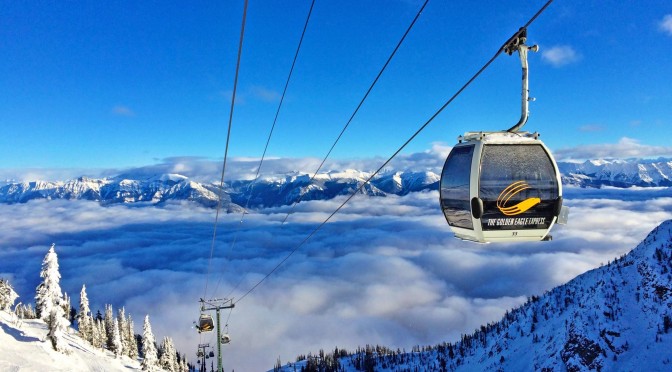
(287, 188)
(614, 318)
(268, 192)
(22, 348)
(618, 173)
(121, 189)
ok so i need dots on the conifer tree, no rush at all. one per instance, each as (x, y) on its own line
(132, 351)
(108, 320)
(100, 337)
(65, 304)
(150, 360)
(7, 295)
(168, 359)
(27, 312)
(95, 339)
(18, 310)
(123, 329)
(49, 301)
(184, 366)
(84, 317)
(117, 347)
(58, 324)
(49, 290)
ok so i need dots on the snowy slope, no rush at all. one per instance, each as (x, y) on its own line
(616, 317)
(22, 349)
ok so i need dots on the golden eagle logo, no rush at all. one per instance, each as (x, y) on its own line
(509, 192)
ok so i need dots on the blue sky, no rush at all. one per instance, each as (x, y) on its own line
(138, 84)
(100, 85)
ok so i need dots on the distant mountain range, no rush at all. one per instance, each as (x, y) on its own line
(155, 190)
(614, 318)
(285, 189)
(269, 192)
(618, 173)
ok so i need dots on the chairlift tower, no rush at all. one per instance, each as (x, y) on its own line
(201, 355)
(217, 305)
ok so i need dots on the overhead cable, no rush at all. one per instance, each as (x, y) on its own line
(226, 150)
(268, 141)
(361, 102)
(417, 132)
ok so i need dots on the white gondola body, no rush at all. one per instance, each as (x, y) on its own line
(514, 178)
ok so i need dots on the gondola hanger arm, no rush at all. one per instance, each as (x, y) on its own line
(517, 43)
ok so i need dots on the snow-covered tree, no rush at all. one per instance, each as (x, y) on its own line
(168, 359)
(132, 351)
(7, 295)
(98, 333)
(25, 311)
(65, 304)
(84, 317)
(108, 320)
(184, 365)
(150, 361)
(58, 325)
(49, 301)
(117, 347)
(49, 291)
(123, 330)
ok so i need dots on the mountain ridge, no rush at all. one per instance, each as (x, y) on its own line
(615, 317)
(618, 172)
(285, 189)
(268, 192)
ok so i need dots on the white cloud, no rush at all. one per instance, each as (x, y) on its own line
(560, 55)
(49, 174)
(264, 94)
(665, 24)
(121, 110)
(209, 170)
(625, 148)
(386, 271)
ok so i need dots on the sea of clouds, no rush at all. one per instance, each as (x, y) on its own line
(385, 270)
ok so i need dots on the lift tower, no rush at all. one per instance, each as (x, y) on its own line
(217, 305)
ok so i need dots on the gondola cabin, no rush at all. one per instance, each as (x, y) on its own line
(205, 323)
(501, 187)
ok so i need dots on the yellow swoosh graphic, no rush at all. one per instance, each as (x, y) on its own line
(509, 192)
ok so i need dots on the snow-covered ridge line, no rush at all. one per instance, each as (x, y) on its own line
(286, 189)
(268, 192)
(618, 173)
(615, 318)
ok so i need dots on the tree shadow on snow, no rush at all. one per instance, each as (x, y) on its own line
(18, 335)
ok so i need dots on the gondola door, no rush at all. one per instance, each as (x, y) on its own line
(519, 190)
